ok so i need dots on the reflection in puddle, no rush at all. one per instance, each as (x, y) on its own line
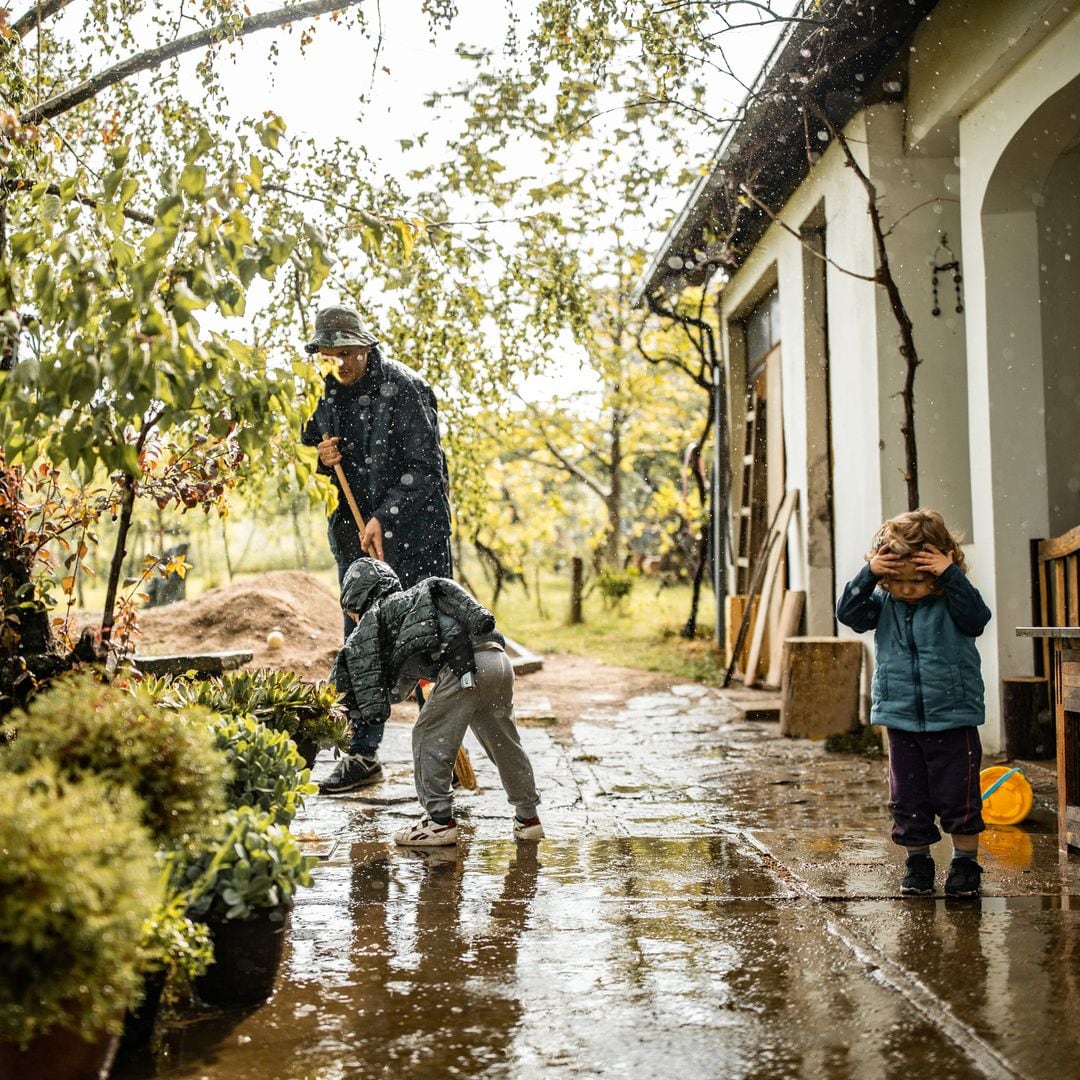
(605, 957)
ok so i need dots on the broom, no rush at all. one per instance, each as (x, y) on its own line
(464, 770)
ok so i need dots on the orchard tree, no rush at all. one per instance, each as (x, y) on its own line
(123, 218)
(586, 153)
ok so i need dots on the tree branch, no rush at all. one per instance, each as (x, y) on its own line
(154, 58)
(887, 280)
(37, 14)
(574, 470)
(18, 183)
(687, 321)
(777, 220)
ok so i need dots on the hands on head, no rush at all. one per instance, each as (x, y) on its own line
(929, 559)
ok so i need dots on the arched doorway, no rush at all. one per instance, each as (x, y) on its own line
(1030, 223)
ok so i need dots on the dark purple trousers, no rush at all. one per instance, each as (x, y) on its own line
(934, 774)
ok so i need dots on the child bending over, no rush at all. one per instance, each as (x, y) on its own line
(927, 690)
(434, 631)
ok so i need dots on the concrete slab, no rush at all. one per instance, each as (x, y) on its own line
(201, 664)
(712, 901)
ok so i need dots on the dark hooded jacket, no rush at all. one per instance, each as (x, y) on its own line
(402, 635)
(388, 432)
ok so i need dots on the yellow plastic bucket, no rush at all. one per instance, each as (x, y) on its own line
(1006, 795)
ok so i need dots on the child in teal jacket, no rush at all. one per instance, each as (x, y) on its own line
(927, 690)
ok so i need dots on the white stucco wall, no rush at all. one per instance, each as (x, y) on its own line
(919, 201)
(945, 165)
(961, 52)
(1058, 222)
(918, 198)
(1005, 339)
(856, 490)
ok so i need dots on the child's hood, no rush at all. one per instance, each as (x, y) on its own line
(365, 582)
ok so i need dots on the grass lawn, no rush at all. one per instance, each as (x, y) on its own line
(642, 633)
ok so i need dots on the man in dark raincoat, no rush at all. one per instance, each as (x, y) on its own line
(378, 421)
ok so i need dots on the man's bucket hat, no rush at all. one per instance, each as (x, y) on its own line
(339, 326)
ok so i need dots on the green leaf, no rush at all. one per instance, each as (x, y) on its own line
(407, 236)
(193, 180)
(203, 143)
(50, 207)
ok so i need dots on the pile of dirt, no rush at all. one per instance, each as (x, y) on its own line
(240, 615)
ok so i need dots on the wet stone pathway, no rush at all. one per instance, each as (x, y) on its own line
(712, 900)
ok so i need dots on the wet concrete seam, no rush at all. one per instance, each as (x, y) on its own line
(990, 1061)
(586, 780)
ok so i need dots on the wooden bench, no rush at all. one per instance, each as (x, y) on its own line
(1055, 594)
(1056, 612)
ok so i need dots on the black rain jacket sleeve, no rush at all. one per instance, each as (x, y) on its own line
(419, 481)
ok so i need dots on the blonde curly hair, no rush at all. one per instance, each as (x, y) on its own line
(908, 533)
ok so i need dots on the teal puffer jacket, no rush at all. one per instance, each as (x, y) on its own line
(927, 675)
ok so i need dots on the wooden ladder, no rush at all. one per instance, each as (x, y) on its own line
(749, 536)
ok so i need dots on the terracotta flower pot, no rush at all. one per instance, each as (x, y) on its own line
(247, 955)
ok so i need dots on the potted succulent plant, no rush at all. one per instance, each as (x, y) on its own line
(268, 771)
(78, 880)
(310, 712)
(166, 757)
(243, 889)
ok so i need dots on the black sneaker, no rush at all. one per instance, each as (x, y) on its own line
(352, 772)
(918, 876)
(965, 878)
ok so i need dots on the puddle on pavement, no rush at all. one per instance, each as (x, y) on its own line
(1008, 966)
(604, 958)
(673, 951)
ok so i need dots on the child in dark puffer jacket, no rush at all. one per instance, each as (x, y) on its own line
(437, 632)
(927, 690)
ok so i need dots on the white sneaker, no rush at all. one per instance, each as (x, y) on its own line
(528, 830)
(427, 833)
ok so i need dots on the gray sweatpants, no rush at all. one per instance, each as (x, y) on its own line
(489, 710)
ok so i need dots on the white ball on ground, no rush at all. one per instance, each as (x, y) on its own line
(275, 640)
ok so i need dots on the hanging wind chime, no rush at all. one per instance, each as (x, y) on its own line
(947, 261)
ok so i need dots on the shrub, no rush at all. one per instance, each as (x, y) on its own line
(77, 879)
(257, 864)
(166, 757)
(172, 943)
(615, 586)
(278, 699)
(267, 771)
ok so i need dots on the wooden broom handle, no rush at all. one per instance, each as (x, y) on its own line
(339, 472)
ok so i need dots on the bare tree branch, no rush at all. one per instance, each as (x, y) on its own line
(154, 58)
(38, 13)
(887, 280)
